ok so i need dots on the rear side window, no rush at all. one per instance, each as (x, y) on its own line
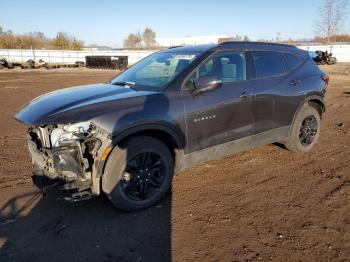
(268, 63)
(292, 61)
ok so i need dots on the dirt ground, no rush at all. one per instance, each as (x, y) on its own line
(266, 204)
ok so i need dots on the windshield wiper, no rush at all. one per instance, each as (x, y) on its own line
(125, 84)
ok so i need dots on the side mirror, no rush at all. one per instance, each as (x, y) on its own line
(206, 83)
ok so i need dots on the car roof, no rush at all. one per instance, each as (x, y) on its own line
(255, 46)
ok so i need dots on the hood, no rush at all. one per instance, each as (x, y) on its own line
(80, 103)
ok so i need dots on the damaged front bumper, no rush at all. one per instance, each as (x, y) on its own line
(68, 158)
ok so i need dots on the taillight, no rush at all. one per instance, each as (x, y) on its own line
(325, 78)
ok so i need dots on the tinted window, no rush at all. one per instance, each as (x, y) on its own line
(292, 61)
(226, 66)
(268, 63)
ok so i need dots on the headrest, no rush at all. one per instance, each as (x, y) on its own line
(229, 71)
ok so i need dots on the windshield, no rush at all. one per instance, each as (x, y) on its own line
(156, 70)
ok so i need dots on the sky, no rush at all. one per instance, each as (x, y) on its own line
(108, 22)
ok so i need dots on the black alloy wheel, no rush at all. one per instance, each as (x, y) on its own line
(308, 130)
(144, 175)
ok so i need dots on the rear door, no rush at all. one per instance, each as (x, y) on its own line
(221, 115)
(278, 91)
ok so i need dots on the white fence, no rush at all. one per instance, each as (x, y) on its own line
(67, 56)
(341, 52)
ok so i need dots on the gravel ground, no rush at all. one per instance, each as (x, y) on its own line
(266, 204)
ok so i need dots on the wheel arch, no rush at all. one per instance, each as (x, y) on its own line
(167, 133)
(317, 103)
(313, 100)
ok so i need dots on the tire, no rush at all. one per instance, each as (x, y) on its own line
(298, 140)
(126, 174)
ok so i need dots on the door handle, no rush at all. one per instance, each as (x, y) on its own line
(244, 95)
(295, 82)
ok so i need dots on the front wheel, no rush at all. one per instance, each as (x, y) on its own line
(138, 173)
(305, 130)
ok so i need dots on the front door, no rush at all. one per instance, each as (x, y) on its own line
(221, 115)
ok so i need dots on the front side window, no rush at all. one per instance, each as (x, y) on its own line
(190, 83)
(226, 66)
(157, 70)
(268, 64)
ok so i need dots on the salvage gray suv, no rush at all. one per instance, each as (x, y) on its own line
(170, 111)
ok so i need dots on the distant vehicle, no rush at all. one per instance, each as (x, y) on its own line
(322, 58)
(5, 64)
(31, 64)
(170, 111)
(107, 62)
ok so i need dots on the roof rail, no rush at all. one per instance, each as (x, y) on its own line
(260, 43)
(175, 46)
(235, 42)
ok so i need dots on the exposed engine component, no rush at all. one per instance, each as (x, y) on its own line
(68, 133)
(65, 152)
(68, 160)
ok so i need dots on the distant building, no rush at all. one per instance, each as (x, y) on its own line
(225, 39)
(191, 40)
(96, 48)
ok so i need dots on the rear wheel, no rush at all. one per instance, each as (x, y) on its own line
(138, 173)
(305, 130)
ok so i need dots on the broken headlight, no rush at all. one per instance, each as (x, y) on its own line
(67, 151)
(69, 132)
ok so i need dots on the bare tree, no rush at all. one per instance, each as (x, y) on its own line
(331, 19)
(37, 40)
(133, 41)
(149, 37)
(76, 44)
(64, 41)
(32, 40)
(61, 41)
(240, 38)
(237, 38)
